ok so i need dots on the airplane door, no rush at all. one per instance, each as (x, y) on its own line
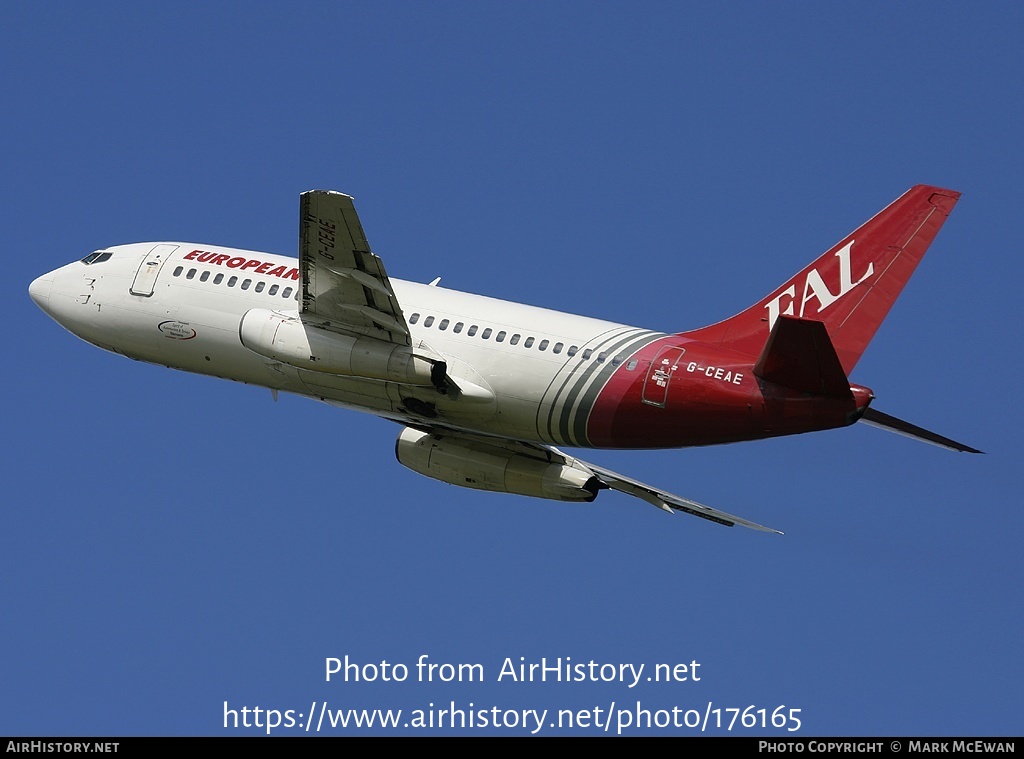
(660, 374)
(145, 277)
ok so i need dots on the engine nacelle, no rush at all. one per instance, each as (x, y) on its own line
(291, 341)
(486, 467)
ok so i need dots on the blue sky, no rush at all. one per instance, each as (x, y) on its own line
(174, 542)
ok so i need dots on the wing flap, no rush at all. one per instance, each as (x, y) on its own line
(668, 501)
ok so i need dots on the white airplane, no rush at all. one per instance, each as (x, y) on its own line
(484, 388)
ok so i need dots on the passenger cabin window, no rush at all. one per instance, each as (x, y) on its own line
(428, 321)
(443, 325)
(259, 286)
(414, 318)
(191, 274)
(204, 276)
(471, 331)
(273, 290)
(528, 343)
(543, 345)
(288, 293)
(218, 279)
(246, 283)
(500, 337)
(457, 328)
(486, 334)
(557, 348)
(631, 365)
(587, 353)
(514, 340)
(232, 281)
(178, 271)
(572, 350)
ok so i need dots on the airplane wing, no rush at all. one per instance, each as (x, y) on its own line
(344, 286)
(668, 501)
(499, 449)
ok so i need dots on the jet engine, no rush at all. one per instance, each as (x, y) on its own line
(286, 338)
(498, 468)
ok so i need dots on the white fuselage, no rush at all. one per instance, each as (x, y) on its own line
(486, 388)
(162, 303)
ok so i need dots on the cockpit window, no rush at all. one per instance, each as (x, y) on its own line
(97, 257)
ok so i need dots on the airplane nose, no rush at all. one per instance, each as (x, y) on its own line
(39, 291)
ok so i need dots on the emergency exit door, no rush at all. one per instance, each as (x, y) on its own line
(659, 375)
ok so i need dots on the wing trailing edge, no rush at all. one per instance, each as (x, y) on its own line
(670, 502)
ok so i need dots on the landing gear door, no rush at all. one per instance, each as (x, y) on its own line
(145, 277)
(659, 376)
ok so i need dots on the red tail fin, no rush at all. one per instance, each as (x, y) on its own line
(852, 286)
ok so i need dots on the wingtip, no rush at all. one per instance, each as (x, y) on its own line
(327, 192)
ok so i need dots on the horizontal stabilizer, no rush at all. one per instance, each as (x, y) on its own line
(891, 423)
(799, 355)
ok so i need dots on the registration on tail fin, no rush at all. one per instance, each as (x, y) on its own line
(850, 288)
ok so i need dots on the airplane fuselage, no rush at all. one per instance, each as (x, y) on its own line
(487, 389)
(545, 376)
